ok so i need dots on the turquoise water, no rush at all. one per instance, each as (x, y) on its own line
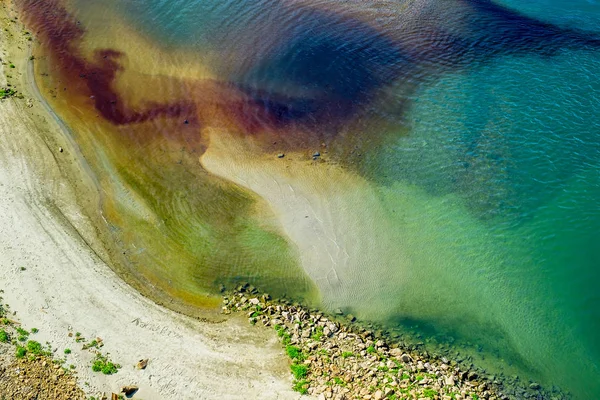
(488, 168)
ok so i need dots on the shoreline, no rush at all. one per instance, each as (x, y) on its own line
(340, 358)
(57, 283)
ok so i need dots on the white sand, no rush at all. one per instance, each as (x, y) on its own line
(65, 284)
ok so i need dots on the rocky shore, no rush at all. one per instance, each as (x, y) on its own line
(335, 360)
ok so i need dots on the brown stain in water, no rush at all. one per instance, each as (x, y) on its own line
(193, 105)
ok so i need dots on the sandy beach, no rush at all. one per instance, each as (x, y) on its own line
(54, 277)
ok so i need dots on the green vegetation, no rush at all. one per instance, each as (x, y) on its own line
(34, 330)
(34, 348)
(431, 393)
(93, 344)
(67, 351)
(101, 363)
(4, 338)
(338, 381)
(300, 386)
(295, 353)
(347, 354)
(21, 352)
(317, 334)
(371, 350)
(6, 93)
(300, 371)
(281, 332)
(12, 66)
(22, 331)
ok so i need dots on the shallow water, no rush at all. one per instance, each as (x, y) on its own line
(456, 191)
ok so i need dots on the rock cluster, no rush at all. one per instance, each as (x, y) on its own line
(338, 361)
(38, 379)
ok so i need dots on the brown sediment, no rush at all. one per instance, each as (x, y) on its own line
(145, 153)
(207, 102)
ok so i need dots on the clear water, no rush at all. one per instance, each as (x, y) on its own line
(481, 218)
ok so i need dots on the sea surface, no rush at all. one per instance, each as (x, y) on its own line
(458, 170)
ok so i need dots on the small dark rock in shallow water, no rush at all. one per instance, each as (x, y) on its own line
(338, 312)
(280, 155)
(317, 154)
(534, 386)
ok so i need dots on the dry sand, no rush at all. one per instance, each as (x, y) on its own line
(55, 282)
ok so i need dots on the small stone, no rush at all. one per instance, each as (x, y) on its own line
(60, 149)
(406, 358)
(338, 311)
(535, 386)
(129, 390)
(449, 381)
(378, 395)
(280, 155)
(317, 154)
(254, 301)
(142, 364)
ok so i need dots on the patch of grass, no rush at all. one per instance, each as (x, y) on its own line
(67, 351)
(300, 371)
(101, 363)
(34, 330)
(299, 386)
(4, 338)
(281, 332)
(294, 353)
(474, 396)
(431, 393)
(12, 66)
(338, 381)
(22, 331)
(371, 350)
(317, 334)
(5, 94)
(34, 347)
(91, 345)
(21, 352)
(347, 354)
